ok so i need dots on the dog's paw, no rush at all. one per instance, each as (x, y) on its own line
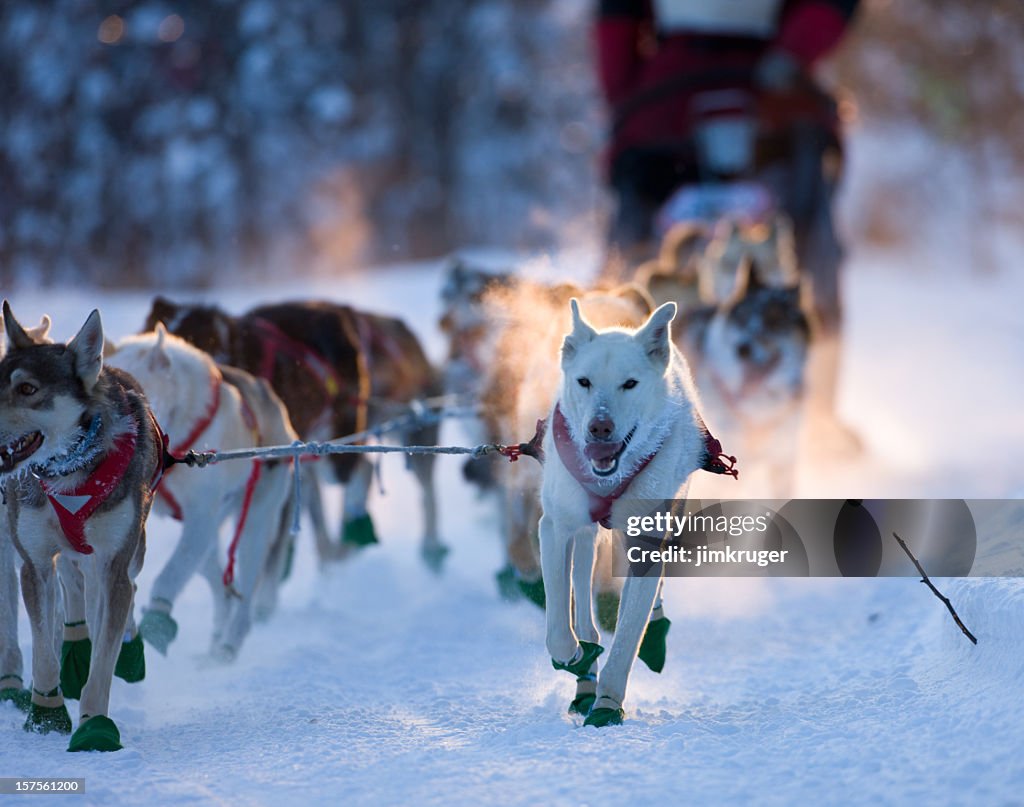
(605, 716)
(223, 654)
(131, 661)
(44, 719)
(508, 588)
(359, 532)
(74, 666)
(653, 648)
(582, 703)
(533, 590)
(98, 733)
(434, 555)
(581, 666)
(21, 698)
(159, 629)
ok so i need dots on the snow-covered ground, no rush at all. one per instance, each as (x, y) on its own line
(380, 682)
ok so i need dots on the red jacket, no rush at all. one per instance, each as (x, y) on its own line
(647, 77)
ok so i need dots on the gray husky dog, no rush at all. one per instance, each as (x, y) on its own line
(80, 455)
(749, 359)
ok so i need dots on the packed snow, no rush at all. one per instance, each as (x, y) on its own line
(378, 681)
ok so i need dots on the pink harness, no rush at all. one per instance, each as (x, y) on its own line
(600, 502)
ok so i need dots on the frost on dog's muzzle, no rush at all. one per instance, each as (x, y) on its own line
(19, 450)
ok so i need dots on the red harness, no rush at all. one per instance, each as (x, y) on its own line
(197, 431)
(276, 342)
(182, 448)
(74, 507)
(600, 502)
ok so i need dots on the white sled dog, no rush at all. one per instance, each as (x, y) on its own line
(202, 406)
(80, 454)
(625, 426)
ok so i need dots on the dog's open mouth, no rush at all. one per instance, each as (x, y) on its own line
(604, 457)
(20, 450)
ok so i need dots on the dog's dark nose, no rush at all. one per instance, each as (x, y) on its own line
(601, 427)
(744, 350)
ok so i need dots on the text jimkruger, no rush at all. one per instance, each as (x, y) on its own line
(701, 555)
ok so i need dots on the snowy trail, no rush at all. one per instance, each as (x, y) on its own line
(379, 682)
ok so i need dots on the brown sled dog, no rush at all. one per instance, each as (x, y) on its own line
(337, 370)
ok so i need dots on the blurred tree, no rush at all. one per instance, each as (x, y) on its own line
(180, 141)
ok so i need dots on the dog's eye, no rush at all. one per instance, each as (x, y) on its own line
(27, 389)
(630, 383)
(583, 382)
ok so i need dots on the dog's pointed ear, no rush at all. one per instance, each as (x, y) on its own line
(655, 335)
(581, 332)
(87, 349)
(16, 335)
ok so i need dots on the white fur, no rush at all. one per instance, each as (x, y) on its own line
(177, 380)
(662, 410)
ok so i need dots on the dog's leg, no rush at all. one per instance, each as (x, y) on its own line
(521, 515)
(198, 539)
(131, 661)
(422, 466)
(213, 574)
(76, 648)
(12, 687)
(357, 527)
(584, 554)
(114, 588)
(556, 560)
(39, 590)
(314, 502)
(253, 549)
(638, 595)
(276, 567)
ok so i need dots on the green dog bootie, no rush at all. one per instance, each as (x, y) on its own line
(533, 590)
(586, 694)
(74, 666)
(131, 661)
(652, 648)
(434, 556)
(605, 716)
(589, 651)
(159, 629)
(98, 733)
(44, 719)
(359, 532)
(607, 610)
(508, 588)
(21, 698)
